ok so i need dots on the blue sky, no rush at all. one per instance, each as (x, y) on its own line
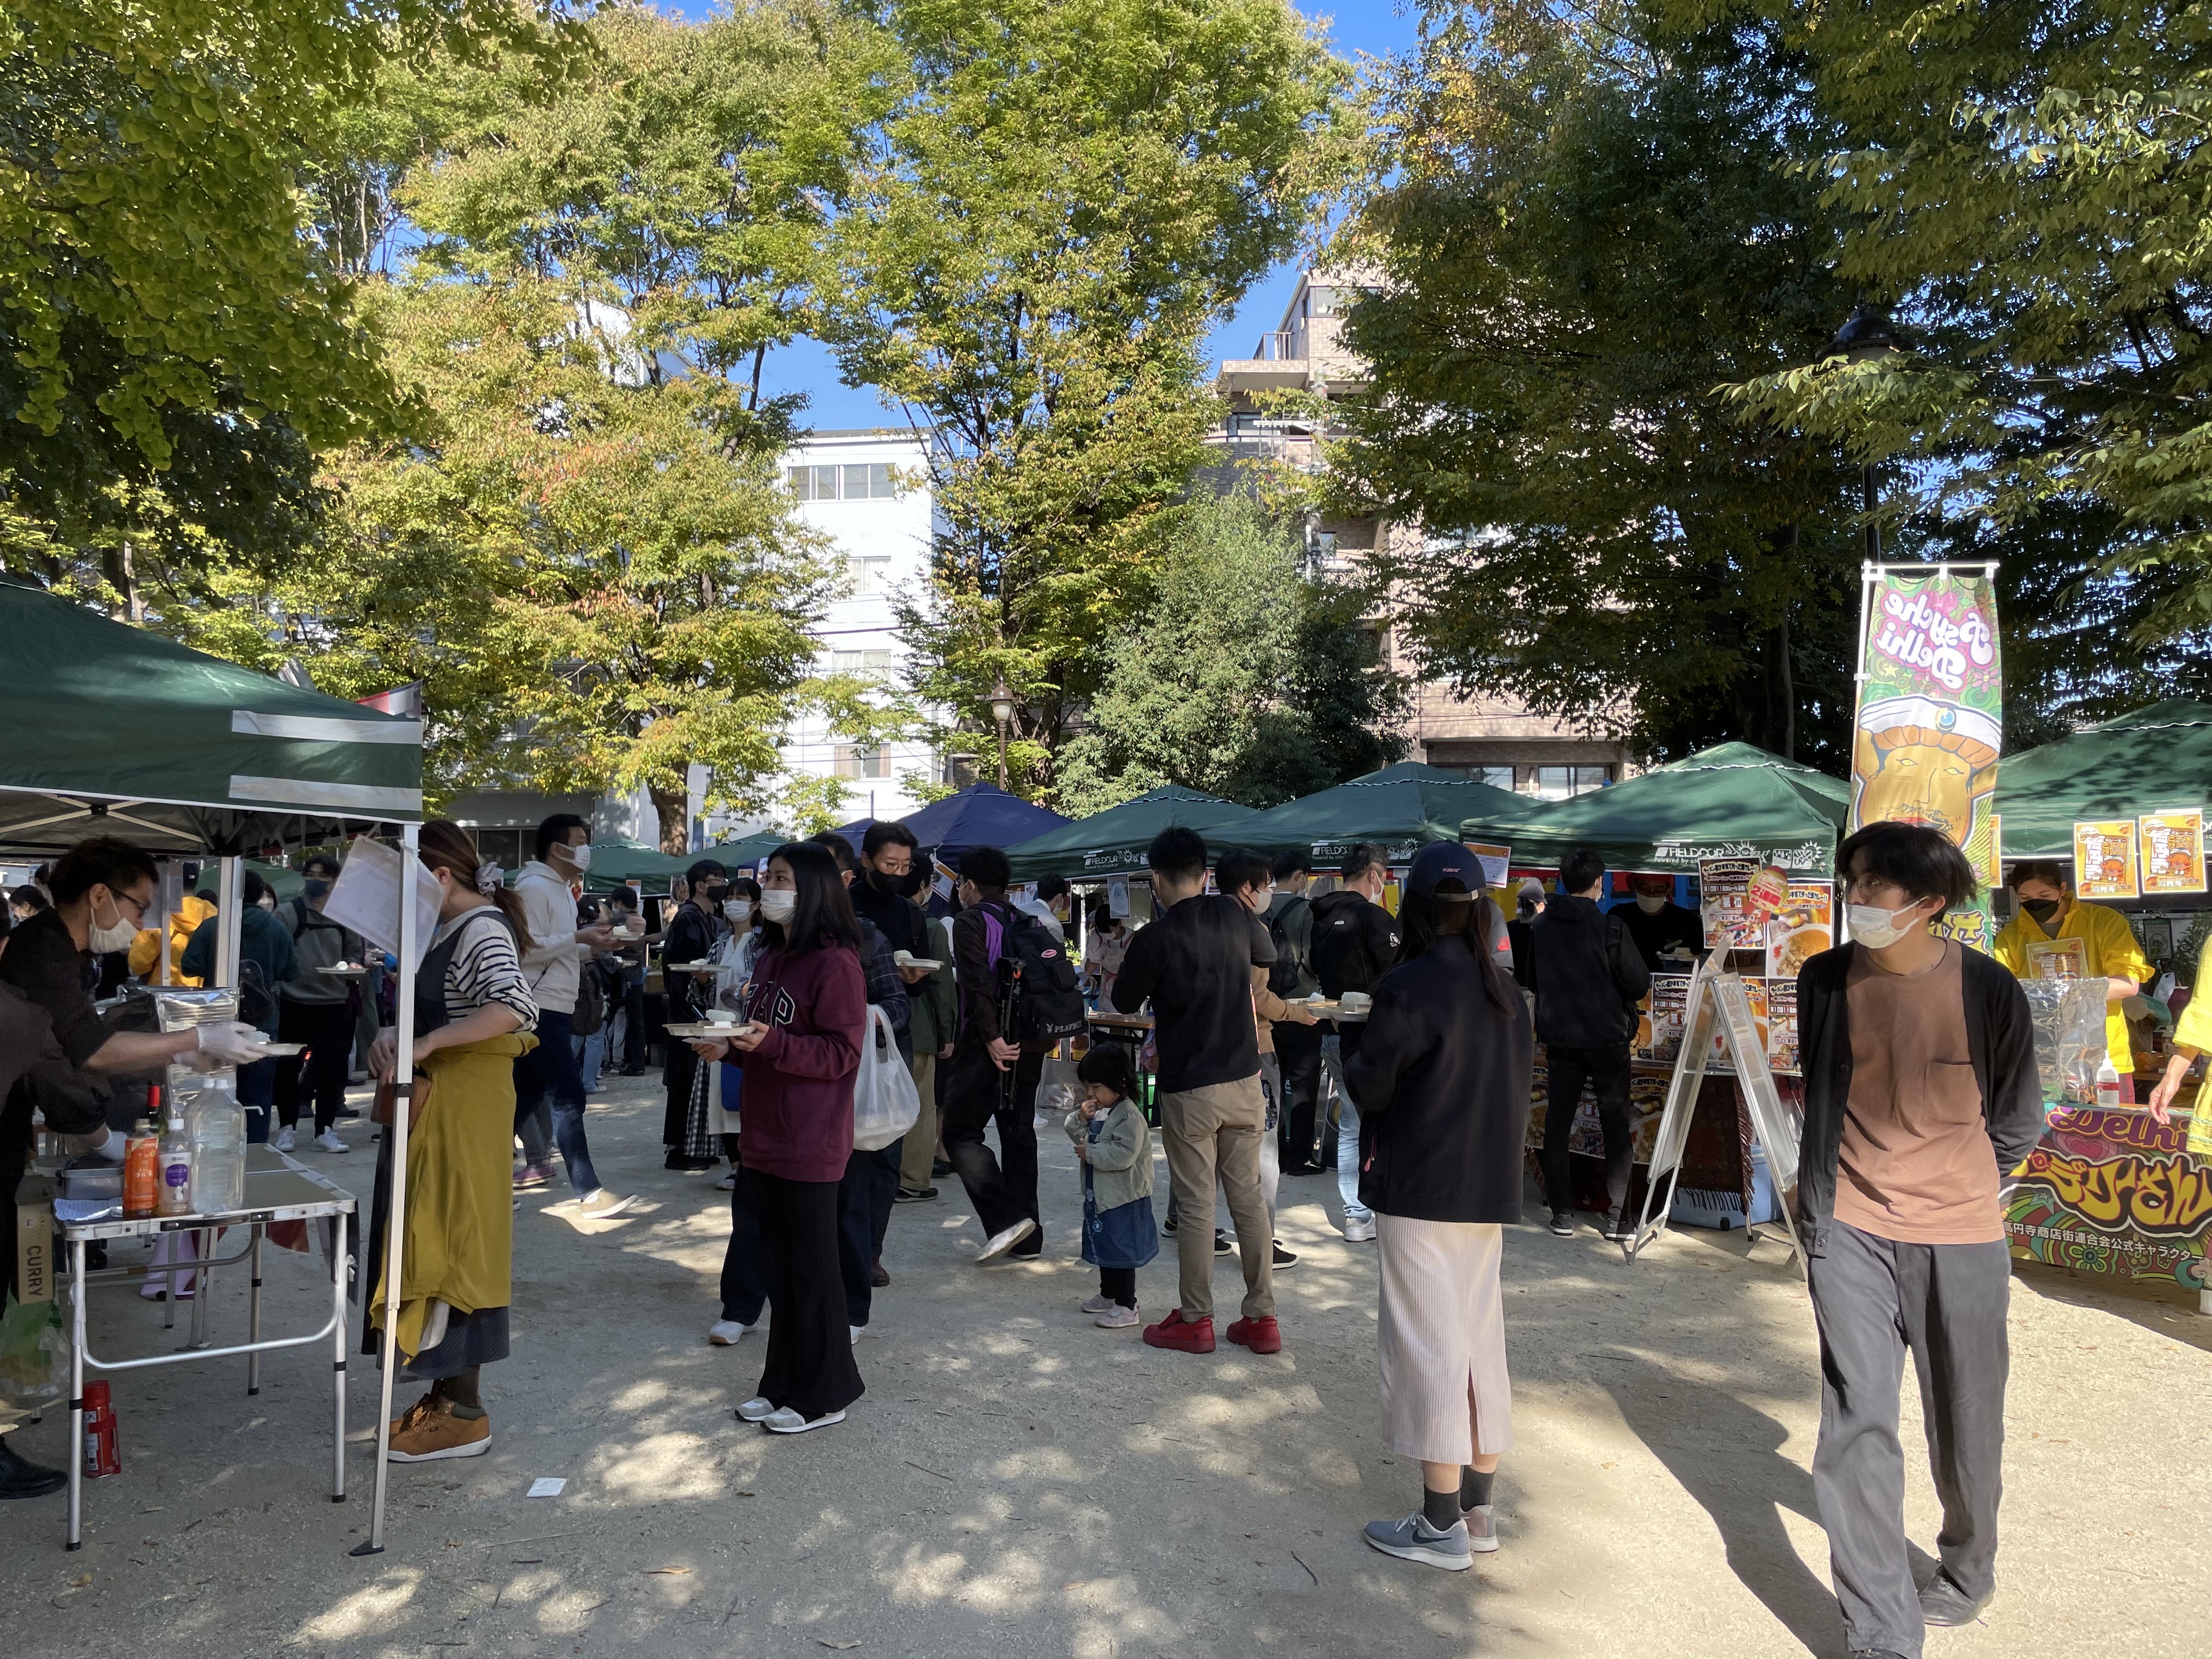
(1376, 26)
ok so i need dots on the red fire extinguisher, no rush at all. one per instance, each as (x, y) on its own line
(103, 1452)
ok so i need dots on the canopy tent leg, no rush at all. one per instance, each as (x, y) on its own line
(395, 1225)
(229, 918)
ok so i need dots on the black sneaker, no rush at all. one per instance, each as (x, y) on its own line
(1221, 1244)
(1943, 1603)
(939, 1169)
(907, 1195)
(1167, 1228)
(1285, 1258)
(1563, 1223)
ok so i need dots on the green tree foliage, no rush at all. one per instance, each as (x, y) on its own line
(596, 591)
(1243, 678)
(2026, 184)
(171, 344)
(1583, 227)
(1055, 203)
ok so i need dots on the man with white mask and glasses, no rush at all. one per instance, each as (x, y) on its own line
(1921, 1095)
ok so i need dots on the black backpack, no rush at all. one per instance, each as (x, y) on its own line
(1282, 977)
(1036, 975)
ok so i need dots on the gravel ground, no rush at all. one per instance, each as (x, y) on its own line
(1018, 1483)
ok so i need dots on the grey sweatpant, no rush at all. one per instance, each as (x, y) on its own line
(1874, 1299)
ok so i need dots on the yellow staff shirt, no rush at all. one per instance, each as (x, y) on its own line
(2112, 952)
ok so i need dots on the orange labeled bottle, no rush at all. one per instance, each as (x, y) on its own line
(142, 1167)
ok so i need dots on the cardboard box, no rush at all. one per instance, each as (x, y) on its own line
(35, 1240)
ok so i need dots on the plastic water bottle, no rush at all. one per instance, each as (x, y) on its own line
(2108, 1085)
(218, 1150)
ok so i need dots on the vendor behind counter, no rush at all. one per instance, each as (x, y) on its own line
(2050, 914)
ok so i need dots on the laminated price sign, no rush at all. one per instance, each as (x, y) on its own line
(2173, 845)
(2105, 860)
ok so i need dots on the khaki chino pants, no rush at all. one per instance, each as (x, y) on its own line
(920, 1150)
(1214, 1133)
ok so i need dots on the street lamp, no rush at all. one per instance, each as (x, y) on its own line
(1002, 710)
(1867, 335)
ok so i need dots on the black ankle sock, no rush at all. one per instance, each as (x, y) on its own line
(1475, 1487)
(1441, 1508)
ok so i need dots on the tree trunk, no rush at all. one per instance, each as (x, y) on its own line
(673, 806)
(1781, 712)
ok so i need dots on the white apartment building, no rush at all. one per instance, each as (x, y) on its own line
(1490, 738)
(865, 490)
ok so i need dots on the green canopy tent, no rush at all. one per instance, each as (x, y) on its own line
(745, 852)
(114, 731)
(615, 863)
(2156, 758)
(1732, 801)
(1113, 842)
(1401, 808)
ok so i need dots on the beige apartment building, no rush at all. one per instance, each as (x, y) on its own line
(1490, 738)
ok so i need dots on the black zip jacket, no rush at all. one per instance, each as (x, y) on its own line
(2000, 1038)
(1441, 1080)
(1355, 941)
(1587, 974)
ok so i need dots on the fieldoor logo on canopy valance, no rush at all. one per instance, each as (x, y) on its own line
(367, 799)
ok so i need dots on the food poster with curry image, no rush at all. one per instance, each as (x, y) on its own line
(1930, 720)
(2113, 1192)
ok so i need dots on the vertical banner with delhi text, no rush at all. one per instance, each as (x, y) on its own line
(1930, 720)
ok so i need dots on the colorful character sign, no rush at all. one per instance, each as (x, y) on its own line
(2173, 851)
(2113, 1192)
(2105, 860)
(1724, 898)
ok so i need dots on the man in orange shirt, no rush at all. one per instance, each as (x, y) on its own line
(1921, 1093)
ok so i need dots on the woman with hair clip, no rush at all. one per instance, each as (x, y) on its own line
(1442, 1077)
(806, 1016)
(473, 1016)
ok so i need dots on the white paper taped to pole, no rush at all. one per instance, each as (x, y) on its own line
(366, 897)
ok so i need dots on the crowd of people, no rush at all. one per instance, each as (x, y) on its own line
(1286, 1032)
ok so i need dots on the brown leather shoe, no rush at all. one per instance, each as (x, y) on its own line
(437, 1433)
(877, 1276)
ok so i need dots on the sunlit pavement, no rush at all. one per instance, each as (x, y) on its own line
(1018, 1483)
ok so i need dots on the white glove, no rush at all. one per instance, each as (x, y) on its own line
(233, 1042)
(112, 1149)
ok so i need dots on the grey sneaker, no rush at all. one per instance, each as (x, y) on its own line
(1414, 1540)
(1481, 1524)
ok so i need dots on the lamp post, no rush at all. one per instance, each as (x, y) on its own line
(1867, 335)
(1002, 710)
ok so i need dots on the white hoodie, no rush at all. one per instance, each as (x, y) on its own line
(549, 964)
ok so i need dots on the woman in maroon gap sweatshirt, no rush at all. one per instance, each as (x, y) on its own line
(806, 1015)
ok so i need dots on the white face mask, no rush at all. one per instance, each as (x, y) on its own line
(117, 938)
(1650, 903)
(778, 904)
(1874, 928)
(737, 909)
(581, 857)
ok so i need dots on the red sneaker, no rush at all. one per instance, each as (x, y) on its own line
(1260, 1335)
(1189, 1336)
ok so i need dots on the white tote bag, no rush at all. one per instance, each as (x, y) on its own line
(886, 1103)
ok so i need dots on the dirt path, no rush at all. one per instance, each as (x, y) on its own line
(1016, 1483)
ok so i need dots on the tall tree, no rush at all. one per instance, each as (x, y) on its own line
(1057, 202)
(1244, 679)
(2023, 185)
(596, 591)
(1583, 225)
(171, 344)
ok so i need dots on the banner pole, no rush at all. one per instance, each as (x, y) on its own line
(403, 1075)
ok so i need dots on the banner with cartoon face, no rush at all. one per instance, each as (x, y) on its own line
(1930, 722)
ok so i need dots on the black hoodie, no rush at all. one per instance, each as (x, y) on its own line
(1587, 974)
(1355, 941)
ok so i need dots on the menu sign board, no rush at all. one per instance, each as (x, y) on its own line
(2105, 860)
(1781, 1025)
(2173, 851)
(1725, 889)
(1803, 927)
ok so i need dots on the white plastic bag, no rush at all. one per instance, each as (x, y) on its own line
(886, 1103)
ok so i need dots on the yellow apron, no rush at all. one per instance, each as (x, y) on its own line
(461, 1180)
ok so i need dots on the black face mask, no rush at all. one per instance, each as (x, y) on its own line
(2041, 910)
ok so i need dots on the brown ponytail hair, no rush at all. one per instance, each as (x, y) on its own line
(446, 846)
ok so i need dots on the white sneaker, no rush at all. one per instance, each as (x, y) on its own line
(1097, 1303)
(1359, 1232)
(756, 1410)
(787, 1421)
(601, 1203)
(725, 1333)
(286, 1141)
(329, 1141)
(1001, 1243)
(856, 1330)
(728, 1183)
(1117, 1317)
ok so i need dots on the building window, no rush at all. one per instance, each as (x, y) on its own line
(871, 481)
(1497, 777)
(1563, 783)
(861, 760)
(871, 577)
(861, 662)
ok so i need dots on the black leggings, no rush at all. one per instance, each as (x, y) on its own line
(1119, 1284)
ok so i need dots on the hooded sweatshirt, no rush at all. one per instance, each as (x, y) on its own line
(1587, 974)
(798, 1118)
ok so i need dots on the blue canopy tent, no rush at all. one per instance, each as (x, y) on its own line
(981, 815)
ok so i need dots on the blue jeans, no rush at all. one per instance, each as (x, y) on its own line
(257, 1093)
(1347, 1132)
(547, 1077)
(590, 1055)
